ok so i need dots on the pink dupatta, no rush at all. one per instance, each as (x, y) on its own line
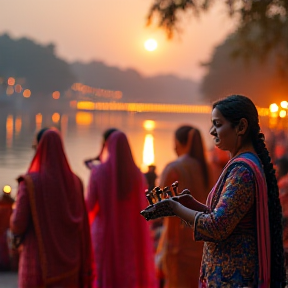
(263, 231)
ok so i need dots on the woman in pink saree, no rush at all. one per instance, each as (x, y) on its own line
(51, 214)
(241, 223)
(121, 238)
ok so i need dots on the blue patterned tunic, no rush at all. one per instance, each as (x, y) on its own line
(230, 250)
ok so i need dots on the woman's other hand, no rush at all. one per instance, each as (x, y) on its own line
(186, 199)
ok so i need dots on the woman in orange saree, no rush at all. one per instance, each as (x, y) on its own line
(179, 257)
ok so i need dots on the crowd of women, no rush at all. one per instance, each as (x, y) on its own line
(224, 232)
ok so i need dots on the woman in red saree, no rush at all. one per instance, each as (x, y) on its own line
(51, 214)
(123, 246)
(241, 223)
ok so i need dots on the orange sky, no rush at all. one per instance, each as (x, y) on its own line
(114, 32)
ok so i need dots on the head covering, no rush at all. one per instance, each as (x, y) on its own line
(58, 212)
(120, 234)
(106, 135)
(121, 161)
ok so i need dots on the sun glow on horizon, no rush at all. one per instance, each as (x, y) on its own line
(150, 44)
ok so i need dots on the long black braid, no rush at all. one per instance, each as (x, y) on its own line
(233, 108)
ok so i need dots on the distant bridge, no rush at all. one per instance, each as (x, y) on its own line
(149, 107)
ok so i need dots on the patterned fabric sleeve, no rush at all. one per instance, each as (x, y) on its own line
(236, 199)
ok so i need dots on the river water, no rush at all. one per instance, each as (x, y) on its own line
(82, 135)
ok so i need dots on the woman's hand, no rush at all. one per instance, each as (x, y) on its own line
(186, 199)
(160, 209)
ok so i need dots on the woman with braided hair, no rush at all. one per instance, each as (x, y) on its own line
(241, 223)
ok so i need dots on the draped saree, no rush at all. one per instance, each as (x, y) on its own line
(51, 213)
(122, 242)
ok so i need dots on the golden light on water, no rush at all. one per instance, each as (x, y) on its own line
(38, 120)
(7, 189)
(148, 151)
(84, 118)
(149, 125)
(18, 125)
(9, 130)
(56, 117)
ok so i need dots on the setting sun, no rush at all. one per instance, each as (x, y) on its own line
(150, 44)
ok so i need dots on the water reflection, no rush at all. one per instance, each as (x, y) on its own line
(38, 120)
(148, 152)
(9, 131)
(18, 125)
(55, 118)
(84, 118)
(151, 140)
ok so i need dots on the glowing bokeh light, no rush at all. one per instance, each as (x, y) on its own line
(284, 104)
(27, 93)
(7, 189)
(56, 95)
(282, 113)
(11, 81)
(9, 90)
(18, 88)
(273, 108)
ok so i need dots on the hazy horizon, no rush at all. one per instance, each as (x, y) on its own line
(114, 33)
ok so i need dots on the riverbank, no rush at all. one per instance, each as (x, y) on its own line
(9, 279)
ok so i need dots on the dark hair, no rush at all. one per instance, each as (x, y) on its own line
(108, 132)
(196, 149)
(106, 135)
(282, 164)
(181, 134)
(40, 134)
(234, 108)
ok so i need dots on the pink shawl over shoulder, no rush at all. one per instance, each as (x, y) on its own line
(59, 214)
(263, 231)
(121, 237)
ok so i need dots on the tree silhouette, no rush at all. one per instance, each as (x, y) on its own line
(37, 66)
(262, 82)
(265, 20)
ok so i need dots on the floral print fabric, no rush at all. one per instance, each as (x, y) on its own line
(229, 231)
